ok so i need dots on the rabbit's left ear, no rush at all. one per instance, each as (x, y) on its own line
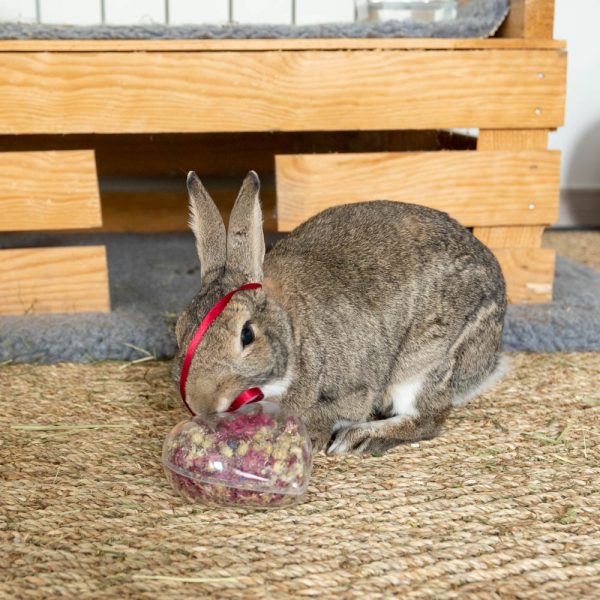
(245, 237)
(207, 225)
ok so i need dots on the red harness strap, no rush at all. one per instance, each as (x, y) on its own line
(251, 395)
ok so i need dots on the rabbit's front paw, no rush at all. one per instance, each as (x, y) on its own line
(320, 440)
(353, 438)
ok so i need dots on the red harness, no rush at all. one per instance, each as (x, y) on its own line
(253, 394)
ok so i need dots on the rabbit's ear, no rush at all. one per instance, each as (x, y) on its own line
(208, 227)
(245, 238)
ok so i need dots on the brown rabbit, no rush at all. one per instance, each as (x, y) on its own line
(374, 319)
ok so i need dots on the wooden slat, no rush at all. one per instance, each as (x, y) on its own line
(512, 139)
(137, 92)
(539, 19)
(529, 19)
(477, 188)
(529, 273)
(510, 237)
(258, 45)
(528, 269)
(53, 280)
(48, 190)
(507, 139)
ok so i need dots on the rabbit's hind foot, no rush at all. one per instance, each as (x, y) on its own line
(376, 437)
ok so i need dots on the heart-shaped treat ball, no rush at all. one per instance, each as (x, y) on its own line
(258, 456)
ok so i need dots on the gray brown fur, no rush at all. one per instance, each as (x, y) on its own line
(362, 306)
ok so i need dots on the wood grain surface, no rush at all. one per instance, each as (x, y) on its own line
(529, 273)
(259, 45)
(529, 19)
(499, 139)
(512, 139)
(48, 190)
(510, 237)
(152, 92)
(53, 280)
(476, 188)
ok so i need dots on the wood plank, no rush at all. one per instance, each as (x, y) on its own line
(529, 273)
(529, 270)
(259, 45)
(48, 190)
(477, 188)
(510, 237)
(539, 19)
(139, 92)
(512, 139)
(507, 139)
(529, 19)
(53, 280)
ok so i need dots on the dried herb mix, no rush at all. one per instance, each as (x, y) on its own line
(258, 456)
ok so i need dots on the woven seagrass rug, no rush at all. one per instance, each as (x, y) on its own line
(504, 504)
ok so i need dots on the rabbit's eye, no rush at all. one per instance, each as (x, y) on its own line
(247, 336)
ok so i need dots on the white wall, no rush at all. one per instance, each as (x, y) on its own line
(579, 140)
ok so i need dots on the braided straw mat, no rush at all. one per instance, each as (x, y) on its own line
(505, 504)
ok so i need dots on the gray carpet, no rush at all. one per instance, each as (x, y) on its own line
(475, 18)
(152, 276)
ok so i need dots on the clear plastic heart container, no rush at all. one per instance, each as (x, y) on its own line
(258, 456)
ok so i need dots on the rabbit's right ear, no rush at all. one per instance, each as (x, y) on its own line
(245, 238)
(208, 227)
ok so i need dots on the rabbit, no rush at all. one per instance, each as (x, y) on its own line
(374, 319)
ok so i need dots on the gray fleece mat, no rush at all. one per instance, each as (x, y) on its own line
(153, 276)
(476, 18)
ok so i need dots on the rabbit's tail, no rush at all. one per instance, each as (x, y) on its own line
(500, 370)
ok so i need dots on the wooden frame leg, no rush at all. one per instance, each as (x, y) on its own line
(528, 268)
(510, 237)
(529, 19)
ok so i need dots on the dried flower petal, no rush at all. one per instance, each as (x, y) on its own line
(257, 457)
